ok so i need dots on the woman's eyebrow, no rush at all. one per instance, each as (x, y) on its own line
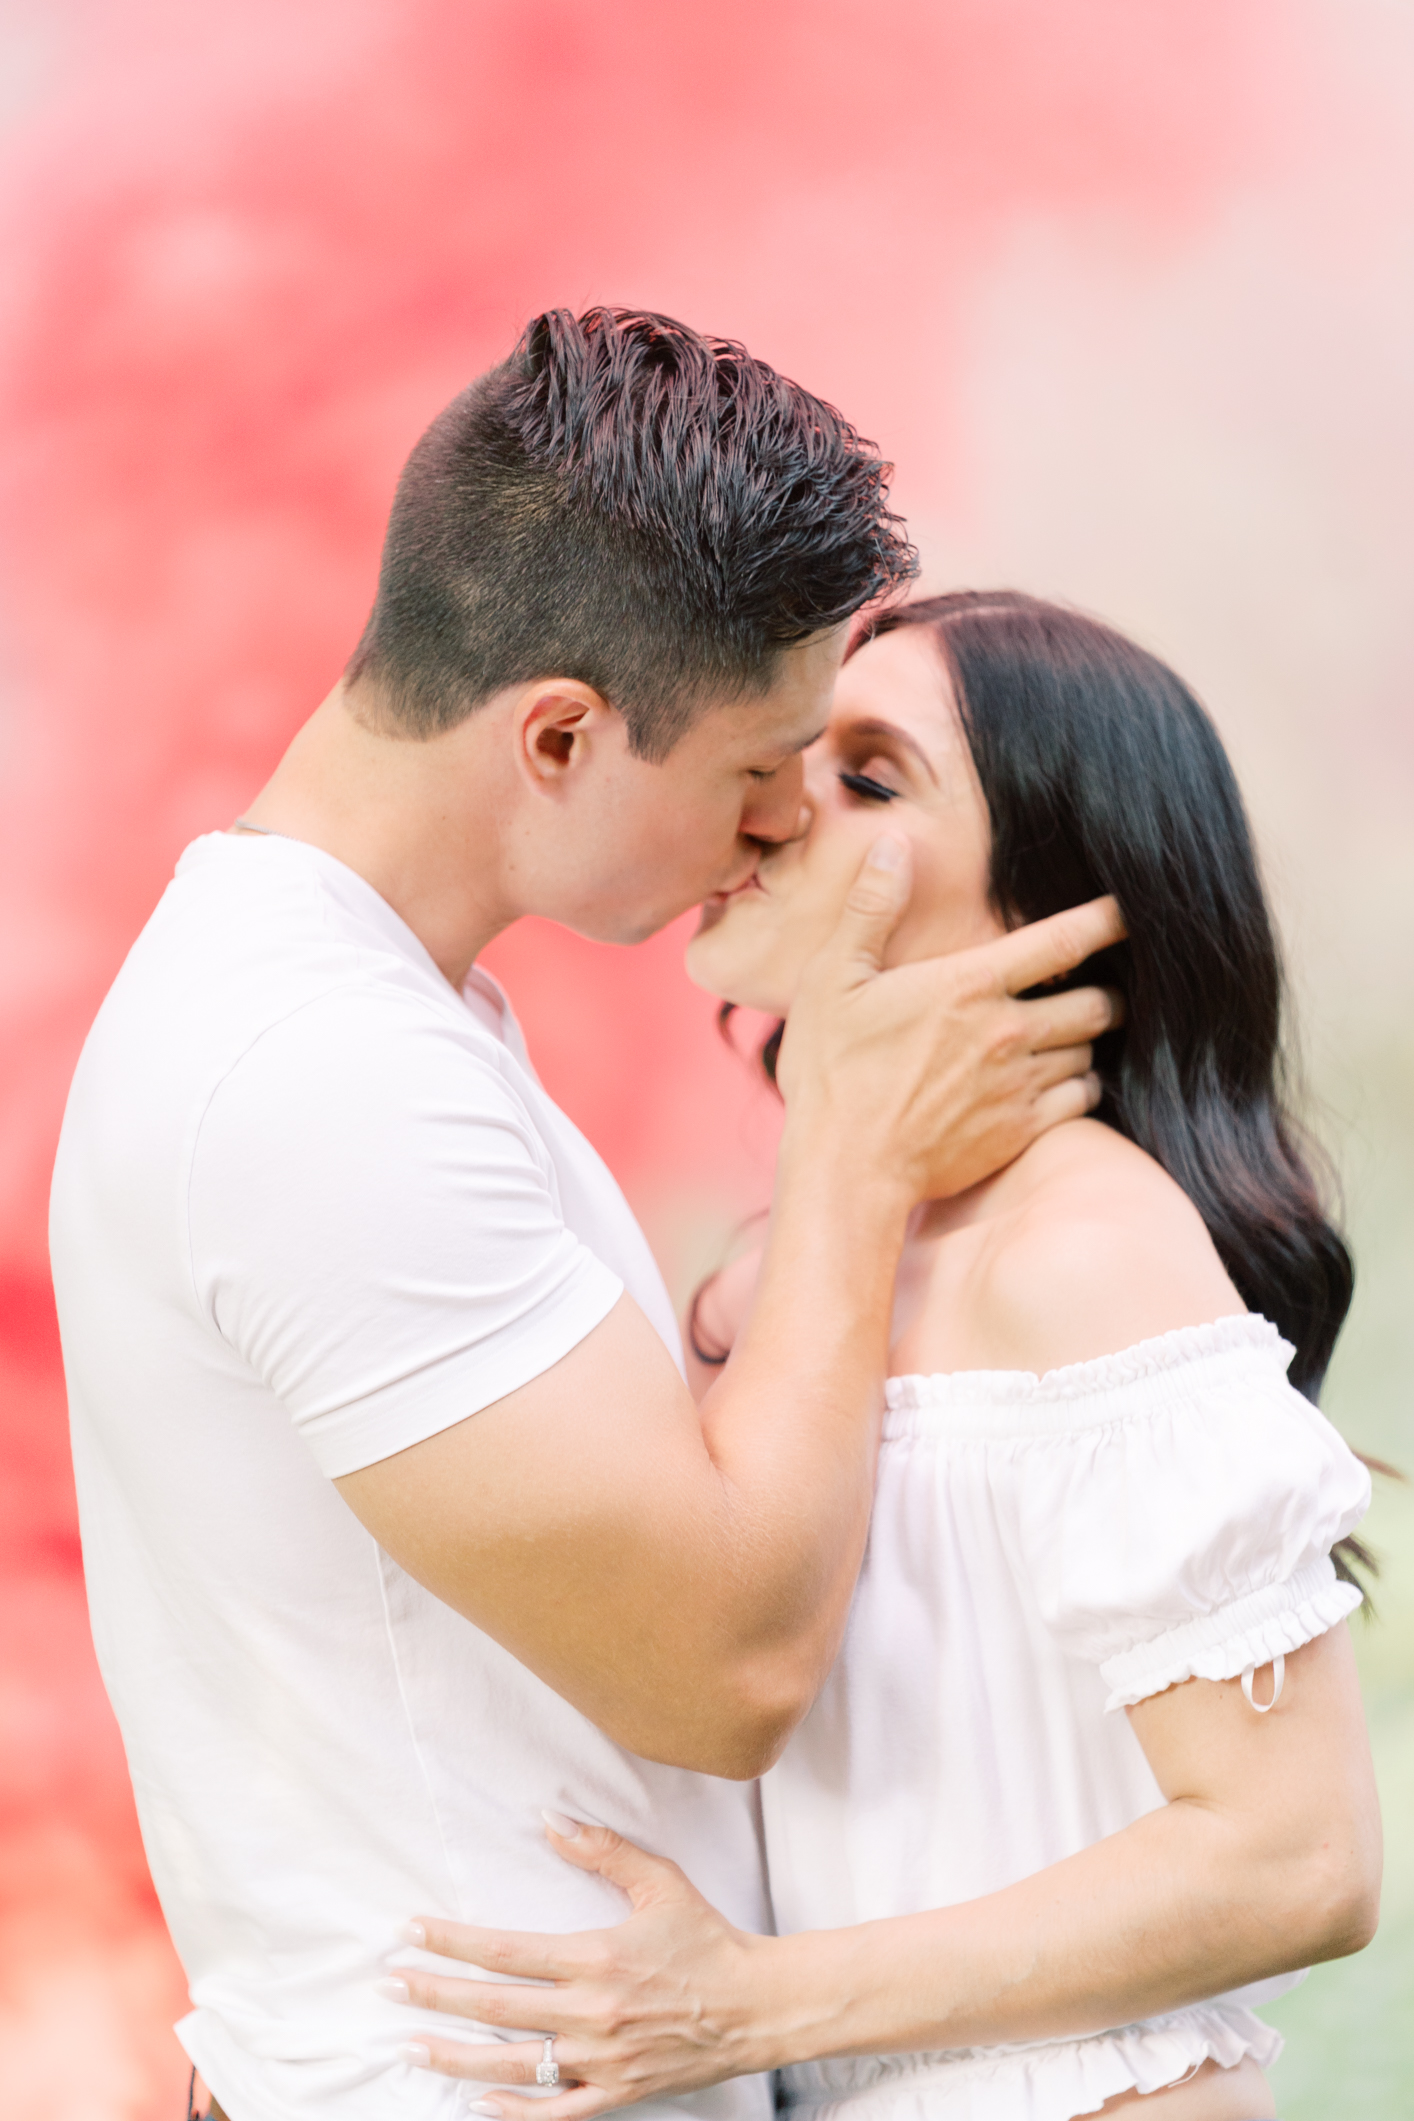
(874, 726)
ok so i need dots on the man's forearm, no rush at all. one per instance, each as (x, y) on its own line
(792, 1424)
(683, 1576)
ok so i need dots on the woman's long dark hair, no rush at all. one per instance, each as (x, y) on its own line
(1101, 773)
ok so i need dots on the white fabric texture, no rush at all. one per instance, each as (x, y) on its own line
(1043, 1551)
(310, 1207)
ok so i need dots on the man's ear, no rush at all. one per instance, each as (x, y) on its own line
(558, 723)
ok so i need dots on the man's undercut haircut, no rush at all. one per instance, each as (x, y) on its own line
(631, 504)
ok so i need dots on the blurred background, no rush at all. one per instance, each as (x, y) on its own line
(1125, 288)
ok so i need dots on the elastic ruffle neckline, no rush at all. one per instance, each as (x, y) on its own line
(1249, 1334)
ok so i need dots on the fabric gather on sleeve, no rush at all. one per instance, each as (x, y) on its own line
(1222, 1644)
(1179, 1522)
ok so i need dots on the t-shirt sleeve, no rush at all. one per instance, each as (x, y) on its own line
(1191, 1536)
(376, 1231)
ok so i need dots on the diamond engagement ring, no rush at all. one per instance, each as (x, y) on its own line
(547, 2069)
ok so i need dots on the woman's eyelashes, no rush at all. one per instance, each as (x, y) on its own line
(873, 791)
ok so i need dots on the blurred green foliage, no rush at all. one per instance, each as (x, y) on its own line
(1350, 2027)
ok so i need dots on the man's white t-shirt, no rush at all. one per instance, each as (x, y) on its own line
(311, 1206)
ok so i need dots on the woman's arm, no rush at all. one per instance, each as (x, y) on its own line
(1266, 1857)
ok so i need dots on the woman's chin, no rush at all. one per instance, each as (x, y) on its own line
(720, 971)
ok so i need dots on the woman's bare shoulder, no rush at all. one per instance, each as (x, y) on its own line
(1093, 1249)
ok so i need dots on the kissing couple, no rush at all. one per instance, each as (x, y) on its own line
(927, 1696)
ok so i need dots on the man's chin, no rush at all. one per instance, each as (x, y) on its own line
(625, 928)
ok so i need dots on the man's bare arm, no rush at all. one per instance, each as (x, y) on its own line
(682, 1575)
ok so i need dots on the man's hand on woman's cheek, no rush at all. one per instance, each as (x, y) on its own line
(937, 1071)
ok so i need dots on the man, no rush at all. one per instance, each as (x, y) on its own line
(399, 1522)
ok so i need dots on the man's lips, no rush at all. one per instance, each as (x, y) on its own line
(724, 898)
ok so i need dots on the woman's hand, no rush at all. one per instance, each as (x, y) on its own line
(1264, 1858)
(657, 2005)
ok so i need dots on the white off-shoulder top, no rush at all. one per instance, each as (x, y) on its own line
(1045, 1550)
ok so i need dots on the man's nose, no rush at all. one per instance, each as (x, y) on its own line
(780, 812)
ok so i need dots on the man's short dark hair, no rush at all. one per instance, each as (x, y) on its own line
(631, 504)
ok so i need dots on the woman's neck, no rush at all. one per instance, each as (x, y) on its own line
(1080, 1248)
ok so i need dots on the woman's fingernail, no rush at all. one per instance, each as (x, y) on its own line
(412, 1933)
(415, 2054)
(567, 1829)
(391, 1991)
(479, 2106)
(886, 854)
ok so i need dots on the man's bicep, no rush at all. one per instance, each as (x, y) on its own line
(554, 1517)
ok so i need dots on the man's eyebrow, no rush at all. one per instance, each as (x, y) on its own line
(790, 751)
(806, 741)
(874, 726)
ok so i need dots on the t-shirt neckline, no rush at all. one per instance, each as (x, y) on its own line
(359, 896)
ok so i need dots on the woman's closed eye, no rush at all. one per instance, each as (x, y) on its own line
(862, 784)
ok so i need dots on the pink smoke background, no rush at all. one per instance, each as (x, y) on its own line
(1124, 287)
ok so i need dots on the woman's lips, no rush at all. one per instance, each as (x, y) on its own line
(716, 902)
(724, 898)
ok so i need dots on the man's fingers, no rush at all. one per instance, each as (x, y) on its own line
(1045, 949)
(1071, 1099)
(1060, 1064)
(1071, 1019)
(877, 897)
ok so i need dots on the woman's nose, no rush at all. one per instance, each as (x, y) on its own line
(803, 817)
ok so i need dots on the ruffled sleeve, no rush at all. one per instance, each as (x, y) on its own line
(1178, 1521)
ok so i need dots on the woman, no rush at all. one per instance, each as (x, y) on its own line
(1092, 1754)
